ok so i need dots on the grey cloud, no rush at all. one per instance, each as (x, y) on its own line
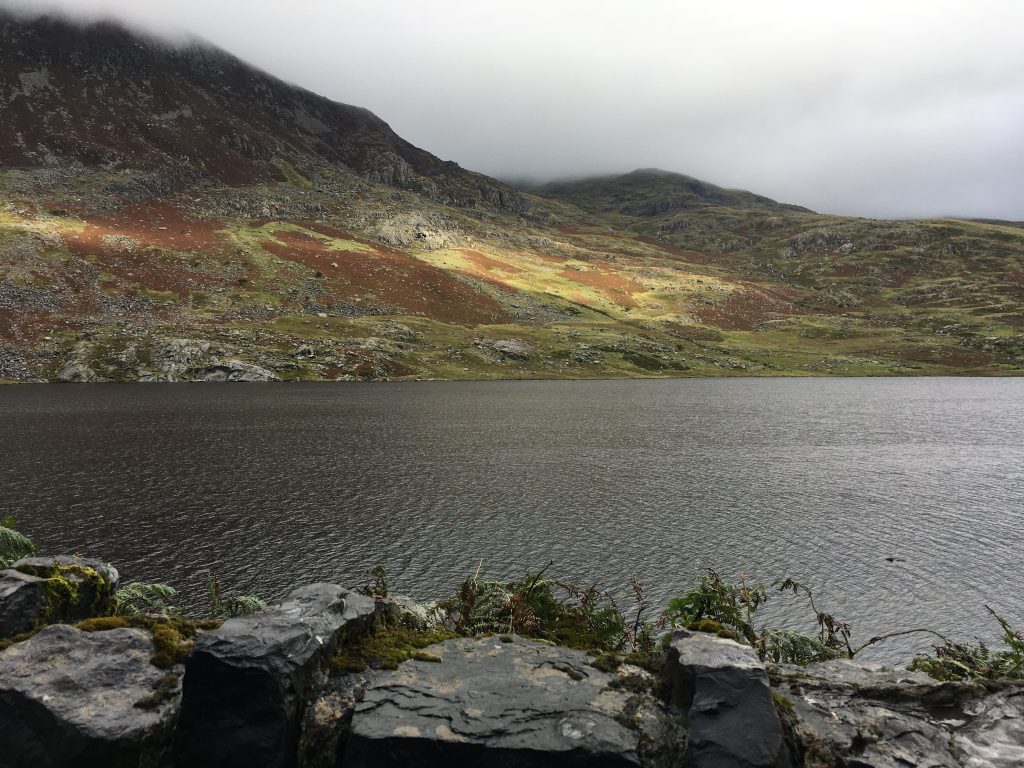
(875, 108)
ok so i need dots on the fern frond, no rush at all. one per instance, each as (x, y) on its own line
(243, 605)
(13, 546)
(140, 597)
(782, 646)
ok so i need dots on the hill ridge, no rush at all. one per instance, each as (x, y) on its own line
(194, 111)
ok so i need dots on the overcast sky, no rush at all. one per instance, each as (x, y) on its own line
(898, 108)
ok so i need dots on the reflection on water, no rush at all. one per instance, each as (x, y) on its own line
(900, 500)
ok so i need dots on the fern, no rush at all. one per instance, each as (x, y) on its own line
(229, 607)
(963, 661)
(728, 604)
(242, 605)
(13, 545)
(782, 646)
(142, 598)
(565, 614)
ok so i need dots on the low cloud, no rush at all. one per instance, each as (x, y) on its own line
(871, 108)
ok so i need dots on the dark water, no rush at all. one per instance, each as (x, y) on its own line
(274, 486)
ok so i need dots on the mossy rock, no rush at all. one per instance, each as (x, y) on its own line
(39, 591)
(173, 637)
(387, 647)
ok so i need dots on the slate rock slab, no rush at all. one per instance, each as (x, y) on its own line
(68, 698)
(245, 683)
(23, 601)
(852, 714)
(490, 702)
(723, 688)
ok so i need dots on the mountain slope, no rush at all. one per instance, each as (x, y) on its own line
(653, 192)
(113, 99)
(169, 213)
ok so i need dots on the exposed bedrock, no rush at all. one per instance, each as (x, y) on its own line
(73, 698)
(510, 703)
(281, 689)
(246, 682)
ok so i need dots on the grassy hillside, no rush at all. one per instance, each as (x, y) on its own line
(337, 277)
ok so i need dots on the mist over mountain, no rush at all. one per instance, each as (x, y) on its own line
(871, 109)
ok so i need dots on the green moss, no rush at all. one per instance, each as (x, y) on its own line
(173, 636)
(633, 683)
(570, 670)
(424, 656)
(72, 591)
(607, 662)
(164, 690)
(781, 702)
(713, 628)
(387, 647)
(7, 642)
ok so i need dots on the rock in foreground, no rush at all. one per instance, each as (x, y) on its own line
(73, 698)
(723, 688)
(36, 591)
(848, 714)
(509, 703)
(246, 682)
(260, 692)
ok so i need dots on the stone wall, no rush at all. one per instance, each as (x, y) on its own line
(262, 690)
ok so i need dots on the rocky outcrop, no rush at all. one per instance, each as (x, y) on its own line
(260, 691)
(73, 698)
(431, 231)
(724, 692)
(36, 591)
(505, 350)
(190, 360)
(504, 701)
(246, 683)
(849, 714)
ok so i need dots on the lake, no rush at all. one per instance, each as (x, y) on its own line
(901, 501)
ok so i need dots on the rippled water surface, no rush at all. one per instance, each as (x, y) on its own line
(273, 486)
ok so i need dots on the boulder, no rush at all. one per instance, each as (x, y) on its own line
(48, 566)
(506, 702)
(72, 698)
(246, 683)
(36, 591)
(723, 688)
(410, 612)
(76, 373)
(23, 602)
(236, 370)
(844, 713)
(513, 349)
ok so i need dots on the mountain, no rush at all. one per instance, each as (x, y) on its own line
(113, 99)
(168, 212)
(653, 192)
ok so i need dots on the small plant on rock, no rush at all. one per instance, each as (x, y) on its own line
(726, 608)
(230, 606)
(963, 661)
(142, 598)
(379, 587)
(13, 544)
